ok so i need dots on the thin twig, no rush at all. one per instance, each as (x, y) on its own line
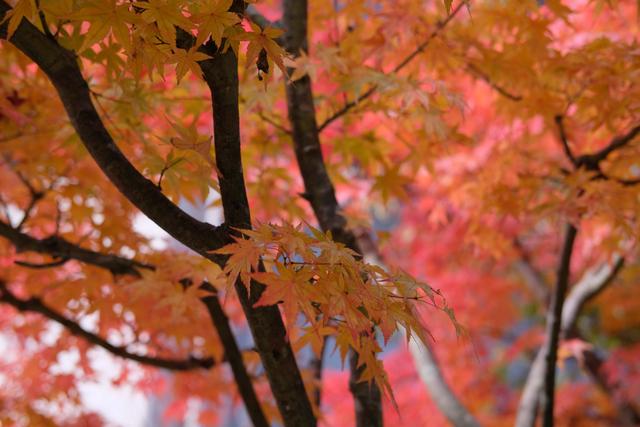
(13, 136)
(485, 77)
(22, 134)
(97, 94)
(617, 143)
(165, 169)
(274, 123)
(559, 119)
(36, 195)
(234, 356)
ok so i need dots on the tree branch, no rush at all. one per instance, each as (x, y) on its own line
(485, 77)
(234, 357)
(626, 182)
(61, 249)
(617, 143)
(41, 266)
(319, 190)
(436, 31)
(530, 398)
(588, 287)
(367, 398)
(559, 119)
(37, 306)
(444, 398)
(627, 415)
(542, 373)
(554, 320)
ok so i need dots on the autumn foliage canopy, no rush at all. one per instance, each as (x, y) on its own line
(281, 212)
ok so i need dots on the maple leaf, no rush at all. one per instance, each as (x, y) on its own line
(344, 342)
(263, 40)
(302, 66)
(447, 5)
(105, 17)
(22, 9)
(294, 241)
(314, 335)
(213, 20)
(187, 60)
(189, 138)
(392, 183)
(152, 56)
(244, 257)
(167, 15)
(286, 287)
(108, 55)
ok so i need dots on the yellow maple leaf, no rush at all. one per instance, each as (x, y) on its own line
(302, 66)
(187, 60)
(244, 256)
(105, 17)
(344, 341)
(314, 336)
(286, 287)
(213, 20)
(167, 15)
(22, 9)
(391, 183)
(263, 40)
(189, 138)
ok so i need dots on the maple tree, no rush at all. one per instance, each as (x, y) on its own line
(484, 154)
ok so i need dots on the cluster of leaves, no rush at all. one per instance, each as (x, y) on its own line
(140, 37)
(333, 289)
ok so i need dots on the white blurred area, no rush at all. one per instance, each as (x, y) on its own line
(121, 406)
